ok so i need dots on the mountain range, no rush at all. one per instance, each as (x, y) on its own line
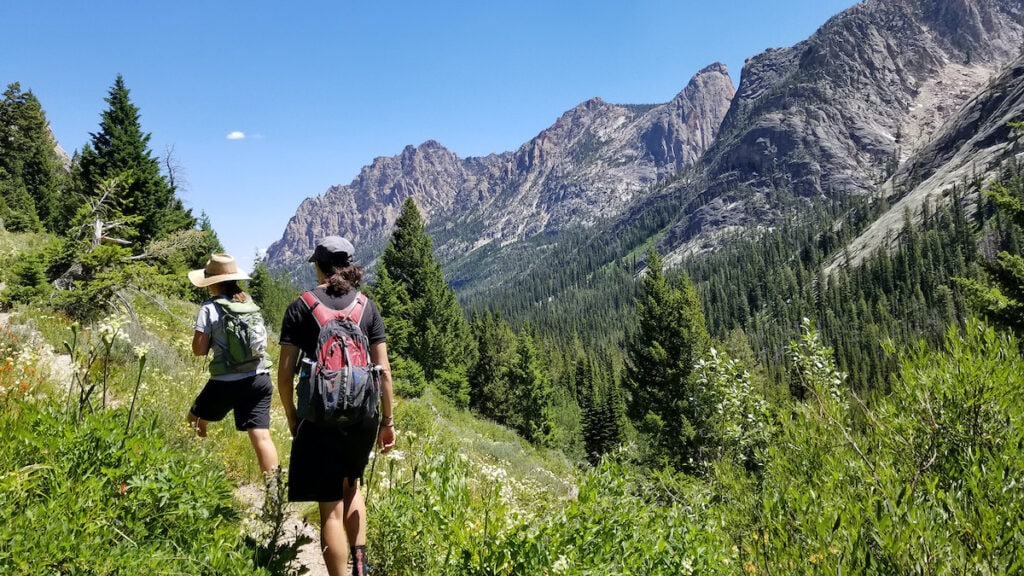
(898, 98)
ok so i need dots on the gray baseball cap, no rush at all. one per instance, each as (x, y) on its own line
(331, 248)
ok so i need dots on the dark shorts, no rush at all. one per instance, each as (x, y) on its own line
(324, 456)
(249, 398)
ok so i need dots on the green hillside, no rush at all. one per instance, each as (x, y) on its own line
(920, 480)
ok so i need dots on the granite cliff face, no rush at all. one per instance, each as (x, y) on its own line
(594, 160)
(973, 143)
(839, 112)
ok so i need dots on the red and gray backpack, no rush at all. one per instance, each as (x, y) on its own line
(340, 385)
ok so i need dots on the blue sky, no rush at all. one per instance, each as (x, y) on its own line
(267, 103)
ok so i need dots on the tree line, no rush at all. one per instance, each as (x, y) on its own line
(111, 210)
(590, 353)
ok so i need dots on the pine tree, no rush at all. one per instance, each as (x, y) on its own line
(439, 337)
(393, 302)
(409, 256)
(30, 171)
(121, 149)
(531, 386)
(17, 212)
(273, 291)
(1000, 300)
(661, 352)
(490, 376)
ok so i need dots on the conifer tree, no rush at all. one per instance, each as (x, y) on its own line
(393, 302)
(662, 350)
(439, 337)
(1000, 300)
(531, 386)
(273, 291)
(30, 171)
(604, 411)
(17, 212)
(121, 150)
(490, 377)
(409, 256)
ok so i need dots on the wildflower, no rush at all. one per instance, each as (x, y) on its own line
(561, 566)
(397, 454)
(123, 488)
(111, 329)
(142, 350)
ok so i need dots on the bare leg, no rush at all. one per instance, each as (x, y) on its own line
(332, 537)
(355, 514)
(266, 452)
(198, 424)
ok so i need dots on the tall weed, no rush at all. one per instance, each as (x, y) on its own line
(86, 499)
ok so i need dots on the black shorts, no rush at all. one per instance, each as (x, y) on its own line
(324, 456)
(249, 398)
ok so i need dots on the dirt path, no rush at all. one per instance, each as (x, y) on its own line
(59, 365)
(309, 555)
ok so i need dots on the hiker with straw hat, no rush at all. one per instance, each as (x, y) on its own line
(242, 387)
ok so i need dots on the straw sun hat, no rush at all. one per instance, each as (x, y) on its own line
(219, 268)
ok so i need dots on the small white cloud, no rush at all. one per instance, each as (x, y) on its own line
(236, 135)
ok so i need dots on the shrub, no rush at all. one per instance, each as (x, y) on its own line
(86, 498)
(408, 377)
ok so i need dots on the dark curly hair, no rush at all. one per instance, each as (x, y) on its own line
(341, 275)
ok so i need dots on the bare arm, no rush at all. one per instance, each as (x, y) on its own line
(286, 382)
(386, 434)
(200, 343)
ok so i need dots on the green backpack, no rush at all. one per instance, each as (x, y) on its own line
(245, 335)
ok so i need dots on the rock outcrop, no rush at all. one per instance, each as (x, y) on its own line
(594, 160)
(837, 113)
(972, 144)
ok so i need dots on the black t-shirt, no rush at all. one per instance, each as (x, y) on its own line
(299, 327)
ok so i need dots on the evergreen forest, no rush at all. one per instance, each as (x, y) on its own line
(777, 405)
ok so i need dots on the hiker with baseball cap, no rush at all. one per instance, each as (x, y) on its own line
(331, 445)
(230, 324)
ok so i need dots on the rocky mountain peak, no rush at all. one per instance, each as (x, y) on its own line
(594, 159)
(837, 113)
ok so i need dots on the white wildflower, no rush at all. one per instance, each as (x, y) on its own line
(112, 329)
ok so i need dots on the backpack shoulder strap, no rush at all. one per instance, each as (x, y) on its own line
(324, 314)
(320, 312)
(354, 312)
